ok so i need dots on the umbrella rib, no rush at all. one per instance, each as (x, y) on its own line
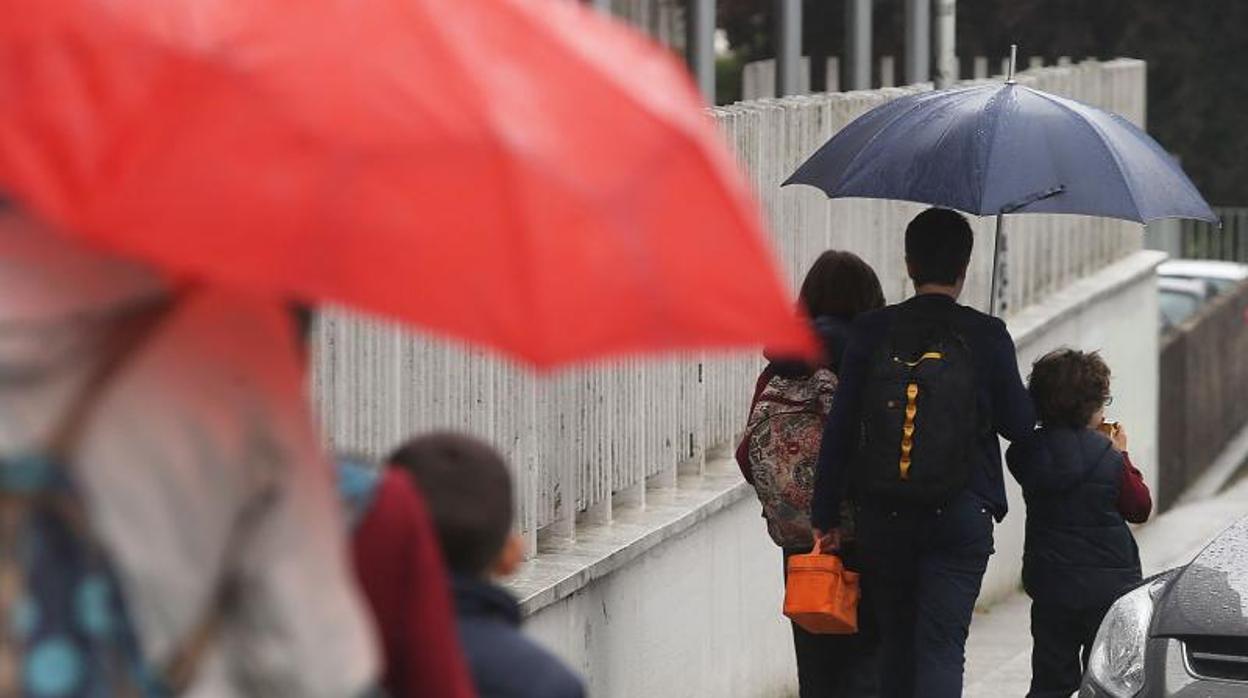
(510, 178)
(849, 166)
(1100, 138)
(533, 290)
(992, 144)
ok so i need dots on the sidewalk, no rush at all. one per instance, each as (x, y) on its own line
(998, 661)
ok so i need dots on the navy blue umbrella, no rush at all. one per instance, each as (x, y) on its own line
(1004, 148)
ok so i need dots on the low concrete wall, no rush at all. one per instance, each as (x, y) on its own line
(697, 614)
(1204, 370)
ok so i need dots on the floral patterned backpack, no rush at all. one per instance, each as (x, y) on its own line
(784, 430)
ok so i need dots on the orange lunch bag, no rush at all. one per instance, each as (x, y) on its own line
(821, 596)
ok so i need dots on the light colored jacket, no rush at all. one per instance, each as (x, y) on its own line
(206, 415)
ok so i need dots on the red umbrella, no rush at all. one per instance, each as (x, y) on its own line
(517, 173)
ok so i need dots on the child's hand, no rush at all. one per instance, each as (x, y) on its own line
(1119, 438)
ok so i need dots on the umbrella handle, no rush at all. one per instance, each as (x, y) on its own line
(1033, 198)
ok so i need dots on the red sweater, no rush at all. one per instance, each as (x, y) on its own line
(1135, 502)
(400, 569)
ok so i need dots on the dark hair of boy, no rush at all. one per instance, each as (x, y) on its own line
(841, 285)
(938, 247)
(1068, 387)
(468, 490)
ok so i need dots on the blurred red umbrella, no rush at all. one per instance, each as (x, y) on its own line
(517, 173)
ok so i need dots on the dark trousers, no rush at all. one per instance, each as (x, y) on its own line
(924, 569)
(1061, 642)
(838, 666)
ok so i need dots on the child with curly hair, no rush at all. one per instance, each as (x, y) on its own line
(1081, 491)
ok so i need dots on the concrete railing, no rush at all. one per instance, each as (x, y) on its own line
(596, 438)
(1204, 371)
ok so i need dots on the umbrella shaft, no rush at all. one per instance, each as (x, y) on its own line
(997, 248)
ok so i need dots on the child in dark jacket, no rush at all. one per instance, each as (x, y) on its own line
(1081, 491)
(469, 494)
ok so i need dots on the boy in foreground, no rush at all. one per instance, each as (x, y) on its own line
(1081, 491)
(469, 493)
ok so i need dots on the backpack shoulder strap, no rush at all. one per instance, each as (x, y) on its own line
(125, 336)
(180, 668)
(135, 326)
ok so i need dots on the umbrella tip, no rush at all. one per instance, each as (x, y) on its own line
(1009, 78)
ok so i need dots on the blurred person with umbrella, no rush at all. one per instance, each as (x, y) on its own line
(192, 452)
(498, 171)
(928, 470)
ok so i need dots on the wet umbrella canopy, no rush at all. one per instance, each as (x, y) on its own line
(1005, 148)
(992, 149)
(521, 174)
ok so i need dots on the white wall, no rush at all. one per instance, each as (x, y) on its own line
(697, 616)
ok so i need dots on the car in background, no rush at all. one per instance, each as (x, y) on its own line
(1223, 275)
(1181, 633)
(1182, 298)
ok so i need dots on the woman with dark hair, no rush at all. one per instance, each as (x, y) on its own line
(779, 451)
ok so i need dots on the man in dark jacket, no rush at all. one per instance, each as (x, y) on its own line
(925, 563)
(1081, 490)
(469, 492)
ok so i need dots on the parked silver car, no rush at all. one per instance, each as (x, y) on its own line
(1181, 633)
(1223, 275)
(1182, 298)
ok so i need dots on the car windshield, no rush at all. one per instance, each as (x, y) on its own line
(1220, 285)
(1177, 307)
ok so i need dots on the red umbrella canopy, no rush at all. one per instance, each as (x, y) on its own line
(517, 173)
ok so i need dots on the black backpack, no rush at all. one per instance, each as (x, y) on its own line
(920, 414)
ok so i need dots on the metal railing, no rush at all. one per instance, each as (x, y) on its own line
(1199, 240)
(592, 439)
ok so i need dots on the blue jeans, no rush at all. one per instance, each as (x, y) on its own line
(924, 568)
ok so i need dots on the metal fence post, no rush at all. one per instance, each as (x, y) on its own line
(888, 71)
(918, 41)
(788, 47)
(701, 46)
(858, 44)
(947, 68)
